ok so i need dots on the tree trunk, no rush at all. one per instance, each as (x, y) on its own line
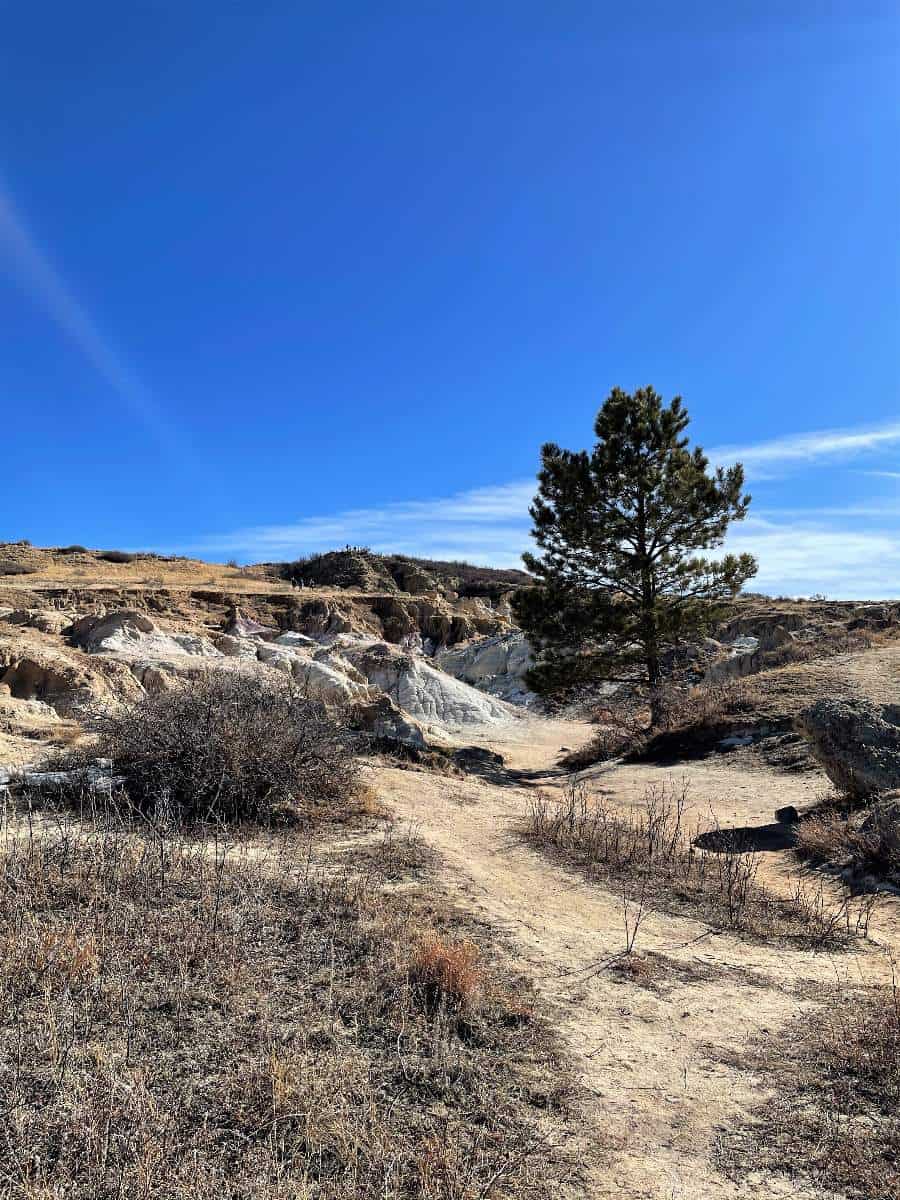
(654, 680)
(648, 619)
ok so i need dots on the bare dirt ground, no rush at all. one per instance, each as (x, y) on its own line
(647, 1058)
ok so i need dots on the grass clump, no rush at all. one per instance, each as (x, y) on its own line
(446, 974)
(226, 747)
(863, 842)
(650, 849)
(835, 1116)
(181, 1020)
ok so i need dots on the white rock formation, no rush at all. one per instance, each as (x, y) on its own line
(322, 682)
(496, 665)
(424, 692)
(132, 633)
(296, 640)
(236, 647)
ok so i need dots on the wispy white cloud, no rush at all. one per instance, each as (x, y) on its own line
(799, 557)
(487, 525)
(40, 278)
(824, 445)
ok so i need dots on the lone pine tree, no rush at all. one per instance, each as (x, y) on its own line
(619, 579)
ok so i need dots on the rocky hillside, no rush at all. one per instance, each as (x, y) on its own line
(362, 570)
(418, 650)
(407, 664)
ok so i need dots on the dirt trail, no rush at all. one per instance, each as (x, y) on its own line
(658, 1096)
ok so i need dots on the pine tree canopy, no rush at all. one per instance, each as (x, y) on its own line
(619, 579)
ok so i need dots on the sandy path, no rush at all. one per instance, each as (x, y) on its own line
(657, 1098)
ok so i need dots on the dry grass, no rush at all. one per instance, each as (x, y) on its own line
(837, 838)
(446, 974)
(827, 644)
(835, 1117)
(400, 853)
(186, 1021)
(651, 850)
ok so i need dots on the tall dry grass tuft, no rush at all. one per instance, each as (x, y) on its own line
(446, 974)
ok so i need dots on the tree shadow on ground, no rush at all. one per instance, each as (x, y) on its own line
(488, 765)
(747, 839)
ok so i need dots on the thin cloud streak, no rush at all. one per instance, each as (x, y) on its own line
(488, 524)
(43, 282)
(827, 444)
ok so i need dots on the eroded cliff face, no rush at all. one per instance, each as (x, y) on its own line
(374, 657)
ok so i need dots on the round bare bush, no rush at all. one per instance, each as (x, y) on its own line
(229, 747)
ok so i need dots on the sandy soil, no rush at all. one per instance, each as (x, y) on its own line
(658, 1097)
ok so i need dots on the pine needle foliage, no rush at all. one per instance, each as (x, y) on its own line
(620, 580)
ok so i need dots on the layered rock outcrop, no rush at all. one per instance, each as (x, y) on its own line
(422, 691)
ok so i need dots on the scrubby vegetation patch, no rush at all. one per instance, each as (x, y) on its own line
(182, 1020)
(651, 850)
(226, 747)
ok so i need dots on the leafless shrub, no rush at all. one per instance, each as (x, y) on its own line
(651, 847)
(634, 909)
(620, 730)
(705, 704)
(226, 747)
(832, 921)
(686, 714)
(183, 1020)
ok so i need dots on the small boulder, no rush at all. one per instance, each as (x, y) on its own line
(385, 719)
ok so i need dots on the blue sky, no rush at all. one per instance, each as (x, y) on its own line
(279, 276)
